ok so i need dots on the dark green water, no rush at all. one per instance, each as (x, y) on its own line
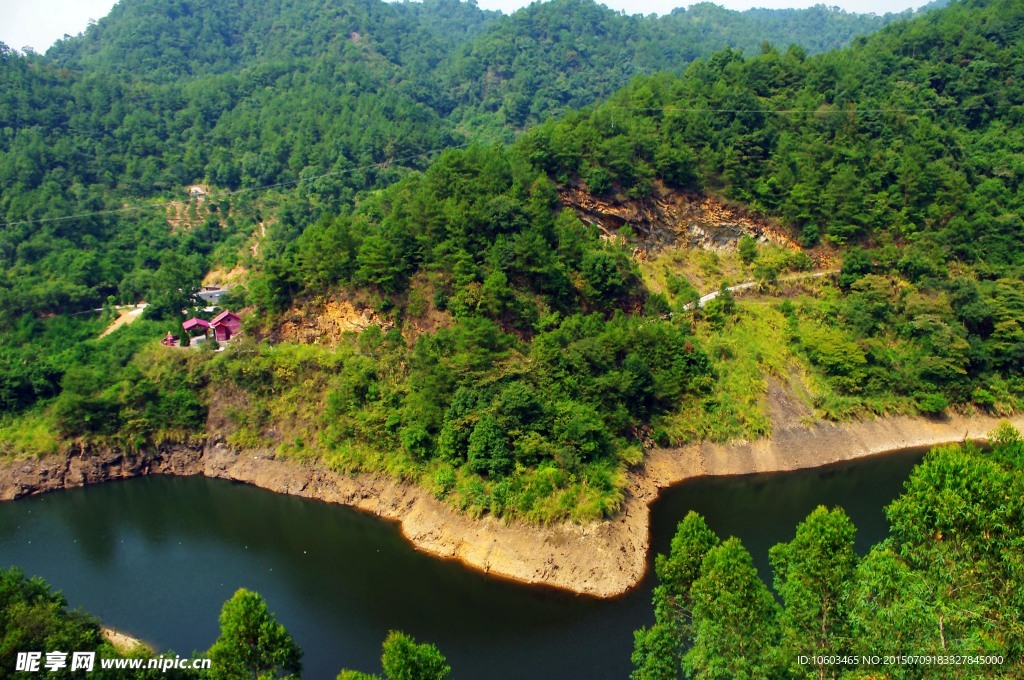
(158, 556)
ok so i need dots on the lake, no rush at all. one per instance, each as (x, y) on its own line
(156, 557)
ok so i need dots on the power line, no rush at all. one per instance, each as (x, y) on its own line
(225, 194)
(817, 110)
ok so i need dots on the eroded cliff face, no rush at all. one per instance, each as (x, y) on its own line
(326, 322)
(81, 466)
(671, 218)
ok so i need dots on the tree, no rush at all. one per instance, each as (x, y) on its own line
(33, 617)
(735, 618)
(252, 644)
(173, 286)
(747, 248)
(657, 652)
(890, 605)
(579, 427)
(488, 450)
(380, 263)
(679, 569)
(958, 525)
(404, 659)
(813, 574)
(607, 273)
(84, 406)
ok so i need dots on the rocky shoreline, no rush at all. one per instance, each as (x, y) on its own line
(601, 559)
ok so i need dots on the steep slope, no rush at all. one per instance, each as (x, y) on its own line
(462, 327)
(910, 135)
(905, 150)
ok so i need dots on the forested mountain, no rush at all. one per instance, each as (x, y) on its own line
(168, 39)
(156, 39)
(909, 134)
(335, 97)
(553, 56)
(908, 143)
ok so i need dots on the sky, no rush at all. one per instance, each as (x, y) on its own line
(39, 23)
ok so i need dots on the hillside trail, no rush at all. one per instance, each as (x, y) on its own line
(704, 299)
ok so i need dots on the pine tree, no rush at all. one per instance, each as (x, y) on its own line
(252, 644)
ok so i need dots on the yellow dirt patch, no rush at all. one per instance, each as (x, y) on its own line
(327, 323)
(124, 643)
(125, 317)
(222, 278)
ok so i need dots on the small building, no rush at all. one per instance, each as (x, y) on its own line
(211, 295)
(225, 326)
(170, 340)
(195, 325)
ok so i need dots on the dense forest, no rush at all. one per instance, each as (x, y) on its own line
(318, 101)
(904, 151)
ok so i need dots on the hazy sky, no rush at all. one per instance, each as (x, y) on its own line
(39, 23)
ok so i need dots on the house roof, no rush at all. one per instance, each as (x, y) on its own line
(195, 323)
(223, 317)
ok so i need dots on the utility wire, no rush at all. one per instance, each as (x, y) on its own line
(817, 110)
(225, 194)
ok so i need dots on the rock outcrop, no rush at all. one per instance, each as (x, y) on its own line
(672, 218)
(326, 322)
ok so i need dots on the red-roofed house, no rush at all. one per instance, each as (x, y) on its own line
(197, 327)
(196, 324)
(225, 326)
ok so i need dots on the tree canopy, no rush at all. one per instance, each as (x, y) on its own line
(252, 644)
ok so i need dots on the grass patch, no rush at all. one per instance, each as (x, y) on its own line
(704, 270)
(31, 434)
(751, 345)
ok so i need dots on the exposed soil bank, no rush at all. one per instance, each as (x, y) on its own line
(123, 642)
(602, 559)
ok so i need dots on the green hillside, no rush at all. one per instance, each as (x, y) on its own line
(554, 56)
(317, 100)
